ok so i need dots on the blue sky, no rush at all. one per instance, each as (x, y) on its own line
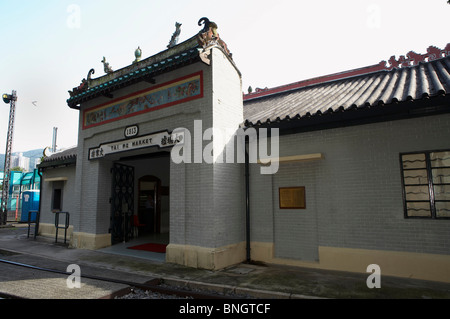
(48, 46)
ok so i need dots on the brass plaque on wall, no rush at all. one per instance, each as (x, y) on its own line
(292, 198)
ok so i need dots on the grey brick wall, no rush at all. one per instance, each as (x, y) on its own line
(93, 177)
(353, 195)
(68, 187)
(208, 210)
(295, 231)
(206, 200)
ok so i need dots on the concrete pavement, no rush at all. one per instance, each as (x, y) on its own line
(258, 281)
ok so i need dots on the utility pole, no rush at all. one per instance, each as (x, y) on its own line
(11, 99)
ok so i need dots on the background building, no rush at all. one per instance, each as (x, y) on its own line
(20, 161)
(20, 182)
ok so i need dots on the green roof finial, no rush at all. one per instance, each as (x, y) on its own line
(138, 55)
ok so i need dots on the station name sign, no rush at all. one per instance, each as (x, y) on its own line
(160, 139)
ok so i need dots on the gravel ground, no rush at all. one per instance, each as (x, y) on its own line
(145, 294)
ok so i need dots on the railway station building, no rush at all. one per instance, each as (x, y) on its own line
(338, 172)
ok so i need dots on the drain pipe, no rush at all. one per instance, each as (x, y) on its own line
(247, 203)
(38, 217)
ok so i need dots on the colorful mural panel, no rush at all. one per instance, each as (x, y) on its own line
(164, 95)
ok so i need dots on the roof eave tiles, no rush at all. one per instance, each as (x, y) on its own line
(184, 54)
(425, 80)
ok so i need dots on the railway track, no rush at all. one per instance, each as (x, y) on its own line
(156, 286)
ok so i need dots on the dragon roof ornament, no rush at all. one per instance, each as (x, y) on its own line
(174, 40)
(412, 58)
(209, 37)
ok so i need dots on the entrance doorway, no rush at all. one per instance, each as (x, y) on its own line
(140, 204)
(149, 204)
(122, 202)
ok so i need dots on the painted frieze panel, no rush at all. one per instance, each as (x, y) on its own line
(160, 96)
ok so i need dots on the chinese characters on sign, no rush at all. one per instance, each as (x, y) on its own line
(161, 139)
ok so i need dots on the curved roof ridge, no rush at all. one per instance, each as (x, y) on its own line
(412, 59)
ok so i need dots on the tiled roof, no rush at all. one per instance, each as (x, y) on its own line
(66, 157)
(346, 91)
(182, 54)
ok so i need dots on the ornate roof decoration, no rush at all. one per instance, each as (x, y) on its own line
(63, 158)
(106, 67)
(209, 37)
(197, 48)
(84, 85)
(137, 55)
(141, 70)
(411, 59)
(174, 40)
(419, 86)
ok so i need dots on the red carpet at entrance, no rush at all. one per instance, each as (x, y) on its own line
(154, 248)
